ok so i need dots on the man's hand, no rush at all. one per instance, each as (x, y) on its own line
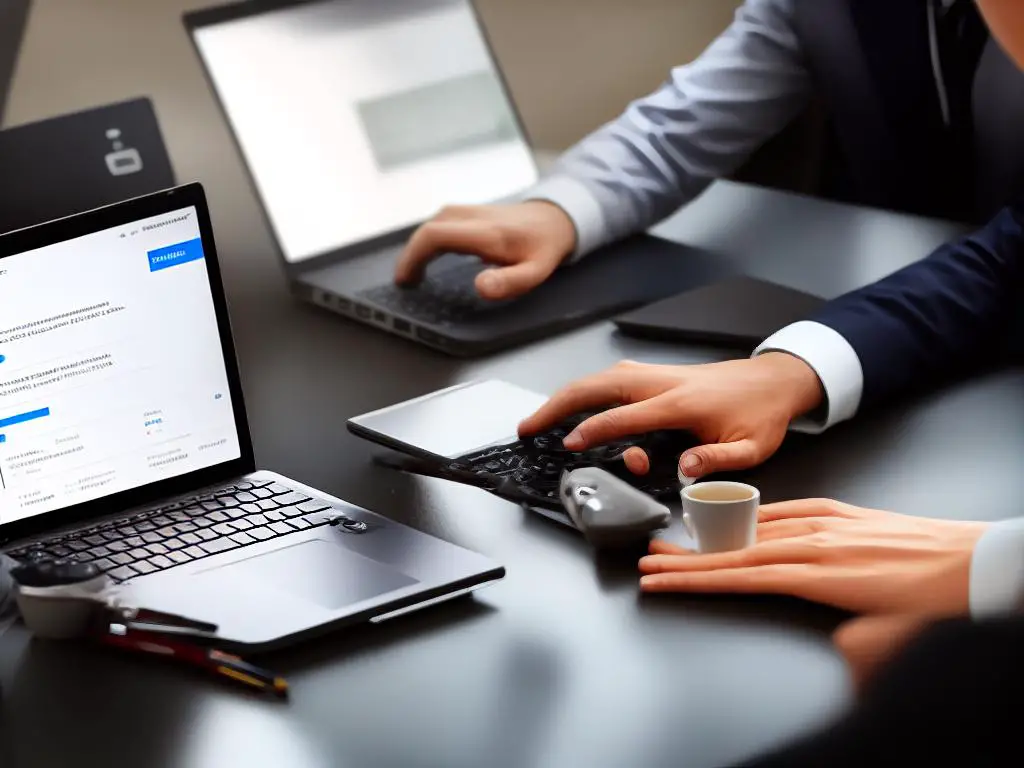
(740, 409)
(526, 242)
(861, 560)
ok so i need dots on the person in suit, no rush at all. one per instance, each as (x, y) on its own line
(941, 602)
(920, 109)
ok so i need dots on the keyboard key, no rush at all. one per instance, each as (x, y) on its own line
(266, 504)
(206, 534)
(235, 512)
(317, 518)
(134, 541)
(245, 497)
(292, 497)
(257, 519)
(117, 546)
(112, 535)
(167, 531)
(261, 533)
(211, 506)
(144, 525)
(281, 528)
(77, 545)
(94, 541)
(121, 558)
(61, 551)
(152, 537)
(194, 552)
(261, 493)
(138, 554)
(250, 509)
(274, 514)
(160, 561)
(144, 567)
(241, 525)
(180, 516)
(242, 538)
(104, 564)
(184, 527)
(194, 510)
(299, 523)
(203, 522)
(218, 545)
(122, 573)
(291, 511)
(224, 529)
(244, 485)
(179, 556)
(157, 549)
(161, 520)
(190, 538)
(126, 530)
(217, 517)
(313, 506)
(277, 489)
(174, 543)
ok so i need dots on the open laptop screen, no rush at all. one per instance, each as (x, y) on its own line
(358, 118)
(112, 372)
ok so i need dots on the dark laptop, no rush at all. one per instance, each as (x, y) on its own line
(13, 17)
(80, 161)
(358, 120)
(124, 442)
(738, 312)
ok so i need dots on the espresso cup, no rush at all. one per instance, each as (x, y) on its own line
(721, 516)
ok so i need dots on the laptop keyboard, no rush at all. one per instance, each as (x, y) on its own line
(232, 517)
(535, 464)
(444, 296)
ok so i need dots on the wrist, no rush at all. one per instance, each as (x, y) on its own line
(558, 228)
(796, 382)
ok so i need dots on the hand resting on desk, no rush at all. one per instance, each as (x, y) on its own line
(901, 572)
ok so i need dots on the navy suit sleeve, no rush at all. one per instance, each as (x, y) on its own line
(957, 310)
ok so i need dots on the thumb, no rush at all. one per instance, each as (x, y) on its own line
(869, 642)
(512, 281)
(719, 457)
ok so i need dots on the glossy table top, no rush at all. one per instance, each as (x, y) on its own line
(561, 664)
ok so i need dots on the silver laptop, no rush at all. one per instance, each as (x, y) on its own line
(124, 442)
(360, 119)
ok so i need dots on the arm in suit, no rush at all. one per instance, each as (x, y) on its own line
(950, 313)
(948, 699)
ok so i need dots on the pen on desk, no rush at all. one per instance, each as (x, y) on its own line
(219, 663)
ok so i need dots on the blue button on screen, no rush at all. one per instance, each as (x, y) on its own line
(173, 255)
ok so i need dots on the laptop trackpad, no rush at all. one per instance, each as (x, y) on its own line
(319, 572)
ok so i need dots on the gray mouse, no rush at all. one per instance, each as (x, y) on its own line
(608, 511)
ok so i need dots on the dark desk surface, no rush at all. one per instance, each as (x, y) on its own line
(561, 664)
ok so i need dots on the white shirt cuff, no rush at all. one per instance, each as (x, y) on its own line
(835, 362)
(997, 570)
(582, 207)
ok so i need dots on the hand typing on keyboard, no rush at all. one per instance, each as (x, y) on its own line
(535, 464)
(524, 243)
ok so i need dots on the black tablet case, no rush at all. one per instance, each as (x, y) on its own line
(738, 313)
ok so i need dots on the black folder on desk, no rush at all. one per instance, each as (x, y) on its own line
(739, 312)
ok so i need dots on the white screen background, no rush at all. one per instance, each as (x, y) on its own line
(294, 83)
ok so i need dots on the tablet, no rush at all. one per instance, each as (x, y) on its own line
(739, 313)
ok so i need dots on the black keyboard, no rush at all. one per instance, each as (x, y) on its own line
(534, 465)
(232, 517)
(444, 296)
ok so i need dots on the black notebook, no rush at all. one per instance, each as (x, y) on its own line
(740, 313)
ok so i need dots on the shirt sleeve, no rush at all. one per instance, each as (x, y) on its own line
(997, 570)
(834, 361)
(702, 124)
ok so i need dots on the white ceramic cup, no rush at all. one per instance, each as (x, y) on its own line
(721, 516)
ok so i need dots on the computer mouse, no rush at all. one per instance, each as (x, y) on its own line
(54, 573)
(609, 512)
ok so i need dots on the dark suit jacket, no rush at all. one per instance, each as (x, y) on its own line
(950, 314)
